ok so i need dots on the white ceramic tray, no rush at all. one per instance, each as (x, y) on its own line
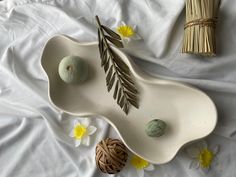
(189, 113)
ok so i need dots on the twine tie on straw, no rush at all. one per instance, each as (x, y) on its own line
(210, 22)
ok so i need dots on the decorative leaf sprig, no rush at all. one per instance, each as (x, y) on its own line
(118, 73)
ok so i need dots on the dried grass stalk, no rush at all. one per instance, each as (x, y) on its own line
(199, 29)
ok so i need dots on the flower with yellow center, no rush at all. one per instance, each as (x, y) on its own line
(127, 32)
(81, 132)
(202, 156)
(205, 158)
(141, 165)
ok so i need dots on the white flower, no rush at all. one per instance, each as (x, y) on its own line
(203, 157)
(81, 132)
(141, 165)
(127, 32)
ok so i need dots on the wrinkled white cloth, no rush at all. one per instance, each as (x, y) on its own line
(34, 137)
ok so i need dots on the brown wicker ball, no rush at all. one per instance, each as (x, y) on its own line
(111, 155)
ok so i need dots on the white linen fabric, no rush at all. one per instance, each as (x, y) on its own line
(34, 137)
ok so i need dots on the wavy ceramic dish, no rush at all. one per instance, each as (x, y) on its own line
(189, 113)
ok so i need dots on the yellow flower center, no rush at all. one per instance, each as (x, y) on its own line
(125, 30)
(79, 131)
(205, 158)
(139, 163)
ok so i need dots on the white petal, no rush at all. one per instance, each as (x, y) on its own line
(216, 149)
(194, 164)
(91, 130)
(77, 142)
(140, 173)
(71, 133)
(125, 40)
(202, 144)
(193, 152)
(76, 122)
(215, 162)
(135, 28)
(150, 167)
(136, 36)
(86, 140)
(122, 23)
(205, 170)
(85, 122)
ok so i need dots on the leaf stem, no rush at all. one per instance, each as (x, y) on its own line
(113, 63)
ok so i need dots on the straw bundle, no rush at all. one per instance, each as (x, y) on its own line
(199, 29)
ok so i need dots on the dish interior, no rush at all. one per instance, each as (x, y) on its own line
(189, 113)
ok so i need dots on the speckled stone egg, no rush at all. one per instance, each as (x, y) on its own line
(155, 128)
(73, 70)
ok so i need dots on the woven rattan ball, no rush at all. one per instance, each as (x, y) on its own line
(111, 155)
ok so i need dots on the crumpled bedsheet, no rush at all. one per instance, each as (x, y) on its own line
(34, 136)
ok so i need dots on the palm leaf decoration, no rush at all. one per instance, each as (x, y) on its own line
(117, 71)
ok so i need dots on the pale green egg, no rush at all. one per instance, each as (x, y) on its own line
(73, 70)
(155, 128)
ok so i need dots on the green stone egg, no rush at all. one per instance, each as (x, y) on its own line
(73, 70)
(155, 128)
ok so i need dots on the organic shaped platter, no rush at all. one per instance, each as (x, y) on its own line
(189, 113)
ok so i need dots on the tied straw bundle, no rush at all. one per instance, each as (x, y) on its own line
(199, 29)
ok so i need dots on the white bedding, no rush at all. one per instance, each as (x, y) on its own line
(34, 137)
